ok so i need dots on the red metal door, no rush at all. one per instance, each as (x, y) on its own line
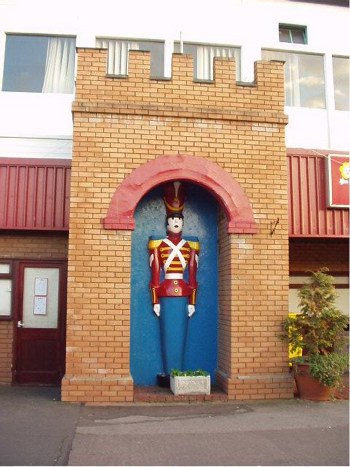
(40, 324)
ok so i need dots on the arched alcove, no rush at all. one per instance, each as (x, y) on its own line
(201, 221)
(203, 172)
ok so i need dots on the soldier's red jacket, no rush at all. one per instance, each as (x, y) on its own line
(173, 254)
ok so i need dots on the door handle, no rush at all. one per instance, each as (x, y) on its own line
(19, 324)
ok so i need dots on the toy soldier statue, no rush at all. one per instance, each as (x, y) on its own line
(174, 263)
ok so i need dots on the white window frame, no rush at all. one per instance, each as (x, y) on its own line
(333, 81)
(293, 28)
(7, 274)
(2, 56)
(293, 71)
(52, 81)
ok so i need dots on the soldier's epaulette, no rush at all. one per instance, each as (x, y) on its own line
(193, 242)
(154, 242)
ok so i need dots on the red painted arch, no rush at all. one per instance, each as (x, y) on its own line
(207, 174)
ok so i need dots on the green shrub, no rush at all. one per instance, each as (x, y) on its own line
(199, 372)
(319, 330)
(329, 369)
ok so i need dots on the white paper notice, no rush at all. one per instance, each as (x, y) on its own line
(40, 305)
(40, 287)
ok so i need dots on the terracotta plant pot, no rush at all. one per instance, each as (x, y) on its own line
(308, 387)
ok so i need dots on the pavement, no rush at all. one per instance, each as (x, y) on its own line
(36, 428)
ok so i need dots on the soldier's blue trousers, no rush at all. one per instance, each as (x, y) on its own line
(173, 331)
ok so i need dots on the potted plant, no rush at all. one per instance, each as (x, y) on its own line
(319, 331)
(189, 382)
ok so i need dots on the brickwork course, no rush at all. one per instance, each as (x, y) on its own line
(120, 125)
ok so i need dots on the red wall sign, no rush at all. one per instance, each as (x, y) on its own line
(338, 181)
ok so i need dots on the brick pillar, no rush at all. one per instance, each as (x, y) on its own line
(98, 315)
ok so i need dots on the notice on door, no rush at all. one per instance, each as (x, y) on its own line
(40, 305)
(40, 287)
(40, 296)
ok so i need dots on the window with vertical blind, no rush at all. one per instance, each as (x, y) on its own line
(203, 57)
(118, 50)
(42, 64)
(304, 78)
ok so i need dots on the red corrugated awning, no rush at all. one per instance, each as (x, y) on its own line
(34, 194)
(309, 215)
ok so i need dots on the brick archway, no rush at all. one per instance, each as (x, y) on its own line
(209, 175)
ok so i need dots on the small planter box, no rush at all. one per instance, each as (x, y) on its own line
(187, 385)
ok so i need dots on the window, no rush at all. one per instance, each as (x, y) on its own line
(118, 50)
(5, 290)
(341, 82)
(203, 57)
(292, 34)
(39, 64)
(304, 78)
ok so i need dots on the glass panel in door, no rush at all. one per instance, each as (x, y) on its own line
(40, 298)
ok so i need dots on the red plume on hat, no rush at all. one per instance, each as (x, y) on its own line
(174, 198)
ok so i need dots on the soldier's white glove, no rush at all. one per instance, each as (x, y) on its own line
(156, 309)
(190, 309)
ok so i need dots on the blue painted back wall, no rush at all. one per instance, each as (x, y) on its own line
(200, 220)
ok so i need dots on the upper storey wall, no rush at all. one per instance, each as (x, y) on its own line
(40, 124)
(262, 100)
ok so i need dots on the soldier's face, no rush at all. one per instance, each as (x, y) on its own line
(175, 224)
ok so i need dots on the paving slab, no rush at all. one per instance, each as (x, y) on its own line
(36, 427)
(290, 432)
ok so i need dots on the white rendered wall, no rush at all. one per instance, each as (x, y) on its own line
(41, 123)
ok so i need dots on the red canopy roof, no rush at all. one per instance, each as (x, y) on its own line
(34, 195)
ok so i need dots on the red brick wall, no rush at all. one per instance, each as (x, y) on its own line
(122, 123)
(33, 246)
(6, 339)
(311, 255)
